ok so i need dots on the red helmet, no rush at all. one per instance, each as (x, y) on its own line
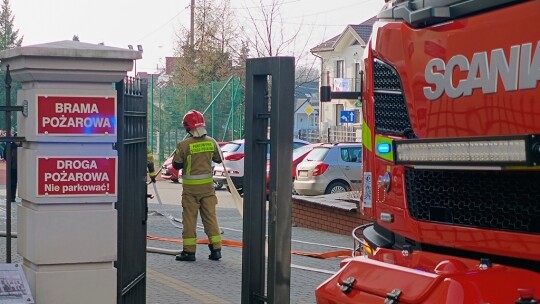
(192, 120)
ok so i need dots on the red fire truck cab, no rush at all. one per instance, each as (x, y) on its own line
(451, 160)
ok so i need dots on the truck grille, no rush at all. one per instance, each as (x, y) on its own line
(391, 114)
(385, 77)
(501, 200)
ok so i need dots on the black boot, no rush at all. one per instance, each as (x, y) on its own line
(215, 254)
(186, 256)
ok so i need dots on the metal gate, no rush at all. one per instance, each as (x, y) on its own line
(132, 205)
(11, 144)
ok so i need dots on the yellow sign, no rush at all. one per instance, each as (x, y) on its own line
(308, 110)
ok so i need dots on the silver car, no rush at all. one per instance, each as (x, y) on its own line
(233, 152)
(330, 168)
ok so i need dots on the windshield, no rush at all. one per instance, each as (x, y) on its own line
(301, 151)
(317, 154)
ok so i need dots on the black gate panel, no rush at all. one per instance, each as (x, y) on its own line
(12, 142)
(269, 107)
(132, 205)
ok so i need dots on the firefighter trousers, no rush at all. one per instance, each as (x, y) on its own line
(191, 204)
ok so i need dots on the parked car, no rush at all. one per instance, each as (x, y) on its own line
(330, 168)
(170, 173)
(298, 155)
(234, 162)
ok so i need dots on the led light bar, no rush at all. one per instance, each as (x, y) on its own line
(482, 151)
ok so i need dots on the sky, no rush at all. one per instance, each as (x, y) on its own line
(154, 24)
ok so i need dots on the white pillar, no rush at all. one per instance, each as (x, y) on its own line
(67, 223)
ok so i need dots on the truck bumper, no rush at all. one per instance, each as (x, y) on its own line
(424, 277)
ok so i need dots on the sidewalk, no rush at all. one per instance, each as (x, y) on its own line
(2, 172)
(206, 281)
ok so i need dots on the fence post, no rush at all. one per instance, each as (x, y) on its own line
(328, 135)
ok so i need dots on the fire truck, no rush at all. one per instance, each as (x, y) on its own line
(451, 157)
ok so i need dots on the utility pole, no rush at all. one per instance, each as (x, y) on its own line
(192, 29)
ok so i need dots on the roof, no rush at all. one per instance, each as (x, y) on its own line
(70, 48)
(363, 30)
(302, 104)
(308, 88)
(170, 63)
(327, 45)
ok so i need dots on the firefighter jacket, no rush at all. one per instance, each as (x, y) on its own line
(150, 163)
(196, 155)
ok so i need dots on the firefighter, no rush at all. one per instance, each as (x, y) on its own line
(194, 155)
(150, 165)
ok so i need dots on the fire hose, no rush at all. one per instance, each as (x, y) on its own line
(238, 201)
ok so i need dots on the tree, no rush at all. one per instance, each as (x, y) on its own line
(210, 56)
(305, 74)
(9, 37)
(203, 66)
(268, 37)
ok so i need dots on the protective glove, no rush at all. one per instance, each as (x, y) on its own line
(153, 178)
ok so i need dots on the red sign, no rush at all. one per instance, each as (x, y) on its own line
(84, 176)
(76, 115)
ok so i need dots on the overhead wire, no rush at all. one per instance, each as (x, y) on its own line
(161, 26)
(313, 14)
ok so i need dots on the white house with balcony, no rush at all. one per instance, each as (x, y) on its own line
(341, 68)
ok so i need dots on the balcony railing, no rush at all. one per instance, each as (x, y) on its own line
(345, 84)
(333, 134)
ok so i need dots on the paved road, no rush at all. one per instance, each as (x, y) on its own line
(205, 281)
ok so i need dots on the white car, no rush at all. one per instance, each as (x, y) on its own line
(233, 154)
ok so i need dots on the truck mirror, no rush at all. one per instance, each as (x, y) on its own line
(325, 92)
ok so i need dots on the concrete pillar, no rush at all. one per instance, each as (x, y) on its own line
(67, 222)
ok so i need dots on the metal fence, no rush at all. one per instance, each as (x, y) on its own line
(332, 134)
(222, 104)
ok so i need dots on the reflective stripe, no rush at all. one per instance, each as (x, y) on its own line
(197, 181)
(215, 239)
(366, 136)
(197, 176)
(190, 242)
(188, 167)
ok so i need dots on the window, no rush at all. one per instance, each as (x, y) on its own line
(357, 77)
(340, 69)
(351, 154)
(317, 154)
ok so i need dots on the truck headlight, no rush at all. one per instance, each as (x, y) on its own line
(479, 151)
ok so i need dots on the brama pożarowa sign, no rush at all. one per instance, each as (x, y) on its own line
(76, 115)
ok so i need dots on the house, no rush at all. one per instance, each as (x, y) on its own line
(306, 109)
(341, 66)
